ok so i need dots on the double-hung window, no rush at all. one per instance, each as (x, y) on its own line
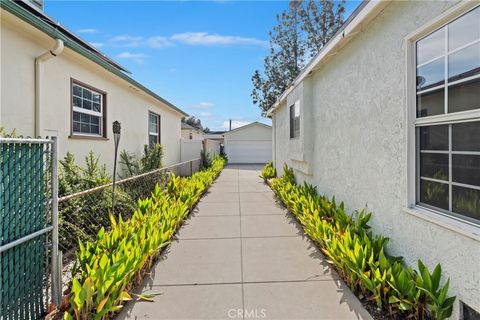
(295, 120)
(153, 128)
(447, 124)
(88, 111)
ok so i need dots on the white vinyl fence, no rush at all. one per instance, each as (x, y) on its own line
(190, 149)
(212, 147)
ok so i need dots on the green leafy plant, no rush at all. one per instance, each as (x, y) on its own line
(361, 258)
(150, 160)
(268, 172)
(108, 268)
(205, 159)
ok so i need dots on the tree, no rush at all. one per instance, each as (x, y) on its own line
(194, 122)
(320, 20)
(286, 59)
(206, 130)
(302, 30)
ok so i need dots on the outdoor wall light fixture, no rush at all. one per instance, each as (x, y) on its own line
(117, 128)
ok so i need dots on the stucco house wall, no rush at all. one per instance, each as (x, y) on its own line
(359, 148)
(20, 44)
(196, 134)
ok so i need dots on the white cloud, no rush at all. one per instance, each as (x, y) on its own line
(206, 39)
(97, 44)
(87, 30)
(202, 105)
(206, 114)
(158, 42)
(137, 57)
(235, 124)
(126, 40)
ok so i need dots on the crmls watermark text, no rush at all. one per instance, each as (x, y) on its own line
(247, 313)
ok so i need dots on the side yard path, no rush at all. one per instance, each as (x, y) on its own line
(241, 256)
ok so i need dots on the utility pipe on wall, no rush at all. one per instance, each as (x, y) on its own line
(55, 51)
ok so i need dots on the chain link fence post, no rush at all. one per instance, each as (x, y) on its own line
(56, 262)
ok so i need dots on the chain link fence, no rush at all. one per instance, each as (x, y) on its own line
(27, 227)
(83, 214)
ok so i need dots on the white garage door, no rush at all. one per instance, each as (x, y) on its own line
(248, 151)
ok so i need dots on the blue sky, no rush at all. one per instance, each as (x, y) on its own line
(199, 55)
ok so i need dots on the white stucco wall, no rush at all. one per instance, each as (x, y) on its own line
(254, 131)
(196, 134)
(20, 44)
(358, 151)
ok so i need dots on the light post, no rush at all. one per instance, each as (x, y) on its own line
(116, 139)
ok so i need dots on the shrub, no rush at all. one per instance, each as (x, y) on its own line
(268, 171)
(205, 160)
(108, 268)
(361, 258)
(151, 159)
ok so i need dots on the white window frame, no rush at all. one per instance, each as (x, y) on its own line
(446, 220)
(150, 133)
(99, 114)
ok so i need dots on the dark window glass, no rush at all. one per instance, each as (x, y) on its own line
(96, 97)
(466, 169)
(77, 91)
(466, 201)
(464, 30)
(434, 194)
(76, 126)
(434, 165)
(466, 136)
(431, 103)
(152, 140)
(432, 46)
(464, 96)
(87, 94)
(76, 116)
(87, 105)
(94, 129)
(96, 107)
(464, 63)
(292, 122)
(434, 138)
(77, 102)
(431, 75)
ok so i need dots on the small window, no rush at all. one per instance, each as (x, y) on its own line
(468, 313)
(190, 135)
(295, 120)
(448, 152)
(88, 111)
(153, 129)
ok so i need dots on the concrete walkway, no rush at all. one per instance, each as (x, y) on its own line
(241, 256)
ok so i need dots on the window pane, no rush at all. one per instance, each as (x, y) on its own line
(94, 129)
(87, 105)
(76, 126)
(466, 201)
(77, 91)
(96, 97)
(153, 128)
(434, 194)
(76, 116)
(434, 165)
(434, 138)
(464, 30)
(292, 123)
(152, 140)
(96, 107)
(464, 96)
(464, 63)
(466, 169)
(431, 103)
(84, 128)
(466, 136)
(431, 74)
(431, 46)
(87, 94)
(77, 102)
(95, 120)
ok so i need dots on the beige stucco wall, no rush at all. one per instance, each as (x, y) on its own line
(359, 150)
(196, 135)
(20, 44)
(251, 132)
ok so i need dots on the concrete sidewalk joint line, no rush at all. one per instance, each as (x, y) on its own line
(240, 254)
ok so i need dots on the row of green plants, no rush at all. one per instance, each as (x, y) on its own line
(107, 269)
(268, 172)
(360, 257)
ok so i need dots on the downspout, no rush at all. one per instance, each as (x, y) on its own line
(55, 51)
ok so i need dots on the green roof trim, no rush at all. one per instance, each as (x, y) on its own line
(31, 19)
